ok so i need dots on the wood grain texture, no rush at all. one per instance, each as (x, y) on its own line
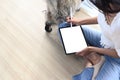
(27, 52)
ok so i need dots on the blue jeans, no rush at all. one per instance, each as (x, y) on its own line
(92, 36)
(110, 69)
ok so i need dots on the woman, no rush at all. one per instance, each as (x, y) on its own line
(106, 42)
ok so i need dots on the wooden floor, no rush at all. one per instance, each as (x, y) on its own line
(27, 52)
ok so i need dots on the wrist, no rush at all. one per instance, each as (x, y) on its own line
(91, 49)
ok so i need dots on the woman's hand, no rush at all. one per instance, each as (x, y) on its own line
(84, 52)
(73, 20)
(79, 21)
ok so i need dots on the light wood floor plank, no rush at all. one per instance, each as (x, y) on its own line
(27, 52)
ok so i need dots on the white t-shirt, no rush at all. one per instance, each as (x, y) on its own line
(110, 33)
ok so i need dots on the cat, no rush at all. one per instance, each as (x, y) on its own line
(58, 10)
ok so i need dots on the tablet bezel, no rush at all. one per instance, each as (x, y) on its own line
(63, 42)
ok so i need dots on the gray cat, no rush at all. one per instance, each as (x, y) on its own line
(58, 10)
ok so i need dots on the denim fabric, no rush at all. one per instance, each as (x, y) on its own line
(86, 74)
(110, 69)
(92, 36)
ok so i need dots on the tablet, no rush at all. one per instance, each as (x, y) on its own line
(72, 39)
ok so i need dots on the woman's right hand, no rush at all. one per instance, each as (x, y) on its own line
(74, 20)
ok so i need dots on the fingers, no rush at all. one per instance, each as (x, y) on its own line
(68, 19)
(74, 20)
(79, 54)
(83, 52)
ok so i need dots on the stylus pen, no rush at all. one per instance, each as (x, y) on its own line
(71, 15)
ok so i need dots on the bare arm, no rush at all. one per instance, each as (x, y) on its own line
(89, 49)
(88, 21)
(109, 52)
(83, 21)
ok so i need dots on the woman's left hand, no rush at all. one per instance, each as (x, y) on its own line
(84, 52)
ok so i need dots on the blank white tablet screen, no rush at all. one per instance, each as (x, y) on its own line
(73, 39)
